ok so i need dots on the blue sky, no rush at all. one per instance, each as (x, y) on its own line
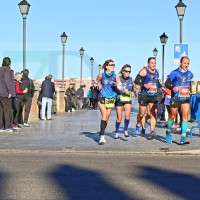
(126, 31)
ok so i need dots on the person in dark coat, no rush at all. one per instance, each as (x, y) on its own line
(47, 93)
(70, 94)
(7, 91)
(95, 93)
(26, 99)
(80, 95)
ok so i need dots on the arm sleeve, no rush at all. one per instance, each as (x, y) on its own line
(138, 80)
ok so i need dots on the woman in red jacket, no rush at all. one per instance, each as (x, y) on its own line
(17, 103)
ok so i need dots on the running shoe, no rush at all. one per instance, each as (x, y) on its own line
(102, 140)
(184, 140)
(137, 130)
(116, 136)
(8, 130)
(20, 125)
(168, 137)
(26, 125)
(152, 135)
(126, 134)
(15, 127)
(1, 130)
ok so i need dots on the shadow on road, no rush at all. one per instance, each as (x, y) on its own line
(2, 183)
(93, 136)
(185, 186)
(79, 184)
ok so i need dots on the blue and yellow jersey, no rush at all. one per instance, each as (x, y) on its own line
(181, 80)
(108, 87)
(128, 84)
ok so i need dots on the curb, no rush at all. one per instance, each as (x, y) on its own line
(161, 152)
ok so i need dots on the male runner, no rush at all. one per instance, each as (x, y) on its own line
(148, 79)
(179, 82)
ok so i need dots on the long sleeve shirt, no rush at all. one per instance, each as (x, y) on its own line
(17, 88)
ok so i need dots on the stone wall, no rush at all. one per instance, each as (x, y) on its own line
(60, 103)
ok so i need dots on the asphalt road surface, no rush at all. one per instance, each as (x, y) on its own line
(92, 176)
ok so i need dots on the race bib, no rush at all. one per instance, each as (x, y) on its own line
(125, 97)
(153, 88)
(110, 102)
(184, 91)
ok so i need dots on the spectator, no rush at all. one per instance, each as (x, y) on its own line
(167, 97)
(47, 93)
(26, 99)
(70, 98)
(84, 97)
(80, 94)
(17, 101)
(95, 93)
(90, 97)
(7, 90)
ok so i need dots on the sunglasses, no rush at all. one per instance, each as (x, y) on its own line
(111, 65)
(127, 71)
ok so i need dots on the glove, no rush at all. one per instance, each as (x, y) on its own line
(121, 87)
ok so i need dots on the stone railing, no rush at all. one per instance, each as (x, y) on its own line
(60, 103)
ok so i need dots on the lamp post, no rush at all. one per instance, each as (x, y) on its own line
(92, 62)
(180, 8)
(24, 8)
(155, 52)
(100, 68)
(63, 40)
(81, 51)
(163, 40)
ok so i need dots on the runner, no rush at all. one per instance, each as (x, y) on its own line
(148, 79)
(107, 94)
(123, 100)
(179, 82)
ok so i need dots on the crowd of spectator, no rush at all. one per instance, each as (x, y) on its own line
(16, 93)
(81, 98)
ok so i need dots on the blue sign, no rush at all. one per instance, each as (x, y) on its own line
(180, 50)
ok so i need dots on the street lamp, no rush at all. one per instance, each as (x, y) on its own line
(63, 40)
(155, 52)
(81, 51)
(24, 8)
(92, 62)
(100, 68)
(163, 40)
(180, 8)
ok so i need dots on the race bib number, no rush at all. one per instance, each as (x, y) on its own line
(110, 103)
(184, 91)
(153, 88)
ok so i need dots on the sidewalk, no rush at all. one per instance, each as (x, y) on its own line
(77, 131)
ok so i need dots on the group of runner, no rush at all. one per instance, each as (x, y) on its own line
(116, 91)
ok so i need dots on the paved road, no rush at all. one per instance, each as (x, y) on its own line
(77, 131)
(85, 176)
(61, 159)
